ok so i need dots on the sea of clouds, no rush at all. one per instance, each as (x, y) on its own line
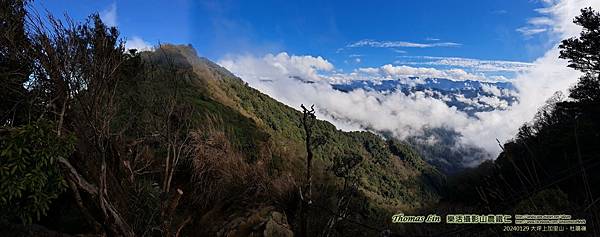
(406, 115)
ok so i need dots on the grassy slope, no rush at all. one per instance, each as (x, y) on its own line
(392, 176)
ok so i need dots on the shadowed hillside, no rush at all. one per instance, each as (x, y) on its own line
(98, 140)
(165, 143)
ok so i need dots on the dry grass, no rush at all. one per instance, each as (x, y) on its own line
(221, 175)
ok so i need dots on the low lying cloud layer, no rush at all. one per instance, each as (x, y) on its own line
(406, 115)
(402, 115)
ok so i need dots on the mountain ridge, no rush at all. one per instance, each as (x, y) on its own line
(391, 175)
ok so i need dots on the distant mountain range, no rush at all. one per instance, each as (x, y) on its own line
(467, 96)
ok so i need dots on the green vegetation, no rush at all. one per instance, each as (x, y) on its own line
(169, 143)
(440, 147)
(165, 143)
(261, 128)
(552, 164)
(30, 178)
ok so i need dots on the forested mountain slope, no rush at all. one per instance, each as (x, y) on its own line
(165, 143)
(553, 163)
(389, 175)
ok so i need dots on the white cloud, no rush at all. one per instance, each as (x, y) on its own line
(402, 115)
(562, 13)
(405, 115)
(493, 102)
(390, 71)
(463, 99)
(399, 51)
(274, 67)
(398, 113)
(557, 18)
(528, 31)
(540, 21)
(138, 43)
(109, 15)
(547, 75)
(491, 89)
(404, 71)
(356, 57)
(399, 44)
(472, 64)
(369, 70)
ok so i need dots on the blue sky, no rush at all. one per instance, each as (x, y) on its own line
(270, 44)
(382, 32)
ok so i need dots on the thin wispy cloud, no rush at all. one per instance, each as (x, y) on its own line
(399, 51)
(540, 21)
(536, 25)
(527, 31)
(470, 63)
(399, 44)
(389, 71)
(406, 115)
(402, 115)
(109, 15)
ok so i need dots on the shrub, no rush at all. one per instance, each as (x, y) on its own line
(30, 178)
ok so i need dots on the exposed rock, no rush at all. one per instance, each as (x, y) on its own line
(277, 226)
(264, 222)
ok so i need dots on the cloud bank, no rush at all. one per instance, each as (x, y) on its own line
(406, 115)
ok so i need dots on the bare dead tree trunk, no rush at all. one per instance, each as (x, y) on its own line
(307, 123)
(185, 222)
(86, 214)
(308, 120)
(111, 213)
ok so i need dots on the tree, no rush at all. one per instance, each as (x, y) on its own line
(76, 70)
(29, 174)
(555, 151)
(308, 121)
(587, 89)
(344, 167)
(583, 54)
(15, 65)
(174, 116)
